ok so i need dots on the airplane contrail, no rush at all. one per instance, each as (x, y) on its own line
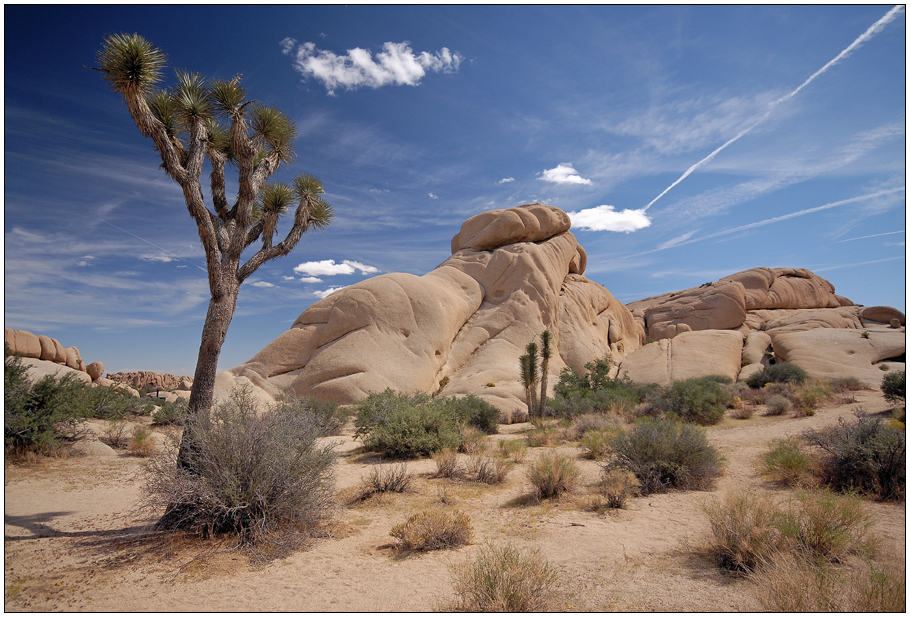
(151, 243)
(865, 36)
(887, 233)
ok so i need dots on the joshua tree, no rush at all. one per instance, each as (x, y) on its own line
(546, 338)
(198, 120)
(529, 376)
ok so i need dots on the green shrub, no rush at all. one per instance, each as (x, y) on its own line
(777, 405)
(664, 453)
(702, 400)
(40, 416)
(432, 530)
(847, 384)
(327, 415)
(553, 474)
(504, 579)
(866, 454)
(787, 463)
(263, 476)
(592, 392)
(406, 426)
(894, 387)
(171, 413)
(473, 411)
(597, 444)
(784, 372)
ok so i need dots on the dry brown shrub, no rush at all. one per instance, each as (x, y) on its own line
(489, 469)
(115, 434)
(446, 463)
(615, 487)
(796, 584)
(514, 449)
(387, 479)
(141, 443)
(504, 579)
(431, 530)
(553, 474)
(473, 441)
(745, 530)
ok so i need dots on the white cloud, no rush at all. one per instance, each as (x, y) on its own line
(563, 173)
(606, 218)
(308, 279)
(290, 278)
(262, 284)
(505, 180)
(328, 267)
(161, 258)
(432, 196)
(86, 259)
(326, 292)
(396, 64)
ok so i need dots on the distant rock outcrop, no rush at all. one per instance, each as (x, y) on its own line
(459, 329)
(43, 355)
(141, 379)
(781, 314)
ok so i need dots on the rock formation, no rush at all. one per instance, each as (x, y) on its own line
(513, 273)
(141, 379)
(43, 355)
(781, 314)
(458, 329)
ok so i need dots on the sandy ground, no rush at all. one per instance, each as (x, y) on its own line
(74, 540)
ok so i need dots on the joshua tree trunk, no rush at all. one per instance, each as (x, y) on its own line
(546, 339)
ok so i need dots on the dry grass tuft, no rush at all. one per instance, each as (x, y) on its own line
(514, 449)
(387, 479)
(141, 443)
(490, 469)
(553, 474)
(431, 530)
(504, 579)
(446, 463)
(615, 487)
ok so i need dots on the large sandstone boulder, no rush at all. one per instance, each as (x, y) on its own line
(22, 342)
(38, 369)
(95, 370)
(688, 355)
(883, 314)
(512, 274)
(828, 353)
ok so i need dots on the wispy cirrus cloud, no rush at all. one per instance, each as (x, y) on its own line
(606, 218)
(396, 64)
(563, 173)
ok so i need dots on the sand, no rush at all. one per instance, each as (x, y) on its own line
(74, 540)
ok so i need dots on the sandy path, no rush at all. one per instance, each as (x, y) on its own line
(71, 540)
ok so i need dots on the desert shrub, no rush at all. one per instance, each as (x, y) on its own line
(553, 474)
(513, 449)
(847, 384)
(756, 397)
(787, 463)
(616, 486)
(40, 416)
(745, 530)
(827, 526)
(597, 444)
(171, 413)
(504, 579)
(894, 387)
(141, 442)
(777, 405)
(115, 434)
(866, 455)
(109, 403)
(702, 400)
(387, 479)
(797, 584)
(784, 372)
(592, 392)
(743, 413)
(547, 433)
(262, 476)
(473, 440)
(594, 422)
(328, 416)
(810, 397)
(489, 469)
(446, 463)
(432, 530)
(664, 453)
(473, 411)
(406, 426)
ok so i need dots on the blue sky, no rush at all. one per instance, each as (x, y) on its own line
(440, 113)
